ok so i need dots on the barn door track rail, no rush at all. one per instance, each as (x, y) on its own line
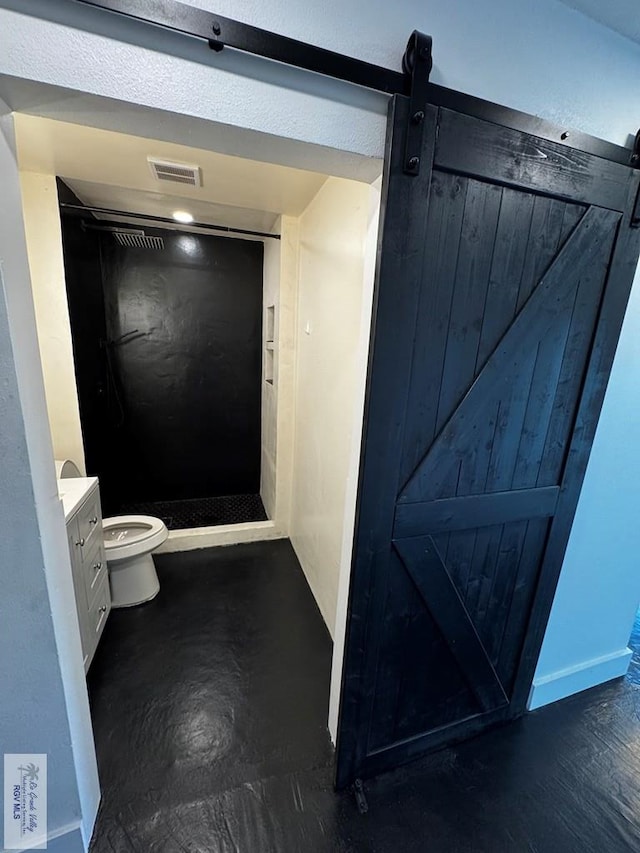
(220, 32)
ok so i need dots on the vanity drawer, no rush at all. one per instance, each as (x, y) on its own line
(99, 611)
(89, 520)
(94, 568)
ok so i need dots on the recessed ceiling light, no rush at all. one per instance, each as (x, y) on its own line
(182, 216)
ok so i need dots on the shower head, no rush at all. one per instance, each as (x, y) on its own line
(137, 239)
(134, 238)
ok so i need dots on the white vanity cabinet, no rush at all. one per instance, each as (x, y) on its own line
(83, 516)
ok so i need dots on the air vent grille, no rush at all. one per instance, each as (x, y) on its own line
(138, 240)
(177, 173)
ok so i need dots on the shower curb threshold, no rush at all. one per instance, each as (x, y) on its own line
(190, 539)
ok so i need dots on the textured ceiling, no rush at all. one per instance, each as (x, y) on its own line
(623, 16)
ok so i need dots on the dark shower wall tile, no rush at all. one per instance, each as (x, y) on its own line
(168, 354)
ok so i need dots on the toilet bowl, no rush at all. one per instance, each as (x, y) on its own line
(128, 543)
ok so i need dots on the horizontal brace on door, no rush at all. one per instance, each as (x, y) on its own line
(471, 511)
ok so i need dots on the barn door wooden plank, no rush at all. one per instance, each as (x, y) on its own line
(549, 230)
(507, 267)
(428, 572)
(444, 236)
(473, 269)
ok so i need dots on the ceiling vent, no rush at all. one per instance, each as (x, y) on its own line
(176, 173)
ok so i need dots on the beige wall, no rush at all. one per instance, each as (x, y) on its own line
(44, 246)
(333, 314)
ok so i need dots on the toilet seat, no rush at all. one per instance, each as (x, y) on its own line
(126, 536)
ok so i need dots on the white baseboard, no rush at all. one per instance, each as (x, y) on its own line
(566, 682)
(224, 534)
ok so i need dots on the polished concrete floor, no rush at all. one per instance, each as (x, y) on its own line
(209, 708)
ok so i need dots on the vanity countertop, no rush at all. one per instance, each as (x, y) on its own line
(72, 491)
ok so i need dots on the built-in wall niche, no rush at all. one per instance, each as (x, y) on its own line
(268, 365)
(270, 324)
(269, 335)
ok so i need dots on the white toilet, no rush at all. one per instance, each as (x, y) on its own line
(128, 543)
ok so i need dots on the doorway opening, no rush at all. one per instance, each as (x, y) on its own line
(307, 337)
(180, 369)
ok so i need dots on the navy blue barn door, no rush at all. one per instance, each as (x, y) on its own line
(504, 271)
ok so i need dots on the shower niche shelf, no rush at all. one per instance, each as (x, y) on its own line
(269, 346)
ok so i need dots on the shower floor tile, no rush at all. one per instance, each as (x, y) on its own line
(200, 512)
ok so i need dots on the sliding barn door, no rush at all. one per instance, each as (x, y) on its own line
(504, 271)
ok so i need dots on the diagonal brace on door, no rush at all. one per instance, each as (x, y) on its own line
(553, 295)
(428, 572)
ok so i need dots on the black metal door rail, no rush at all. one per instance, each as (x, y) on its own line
(220, 33)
